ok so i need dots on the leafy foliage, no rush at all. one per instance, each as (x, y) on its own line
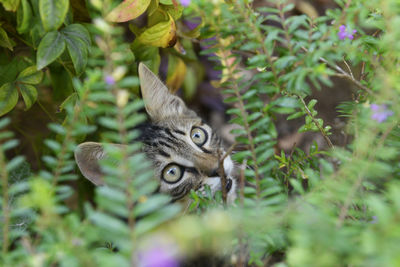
(324, 206)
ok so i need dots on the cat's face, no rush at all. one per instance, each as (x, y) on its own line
(184, 150)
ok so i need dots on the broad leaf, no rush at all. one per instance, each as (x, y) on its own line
(52, 13)
(50, 48)
(176, 73)
(77, 39)
(162, 34)
(24, 17)
(10, 5)
(166, 2)
(30, 75)
(175, 12)
(147, 54)
(29, 94)
(128, 10)
(78, 52)
(4, 40)
(77, 31)
(8, 98)
(152, 7)
(10, 68)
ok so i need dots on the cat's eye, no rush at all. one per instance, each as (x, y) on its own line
(172, 173)
(199, 136)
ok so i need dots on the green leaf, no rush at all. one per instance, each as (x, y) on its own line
(77, 31)
(15, 162)
(162, 34)
(30, 75)
(52, 13)
(9, 70)
(77, 40)
(10, 5)
(24, 17)
(50, 48)
(29, 94)
(152, 7)
(175, 12)
(70, 100)
(176, 73)
(4, 40)
(166, 2)
(8, 98)
(78, 52)
(128, 10)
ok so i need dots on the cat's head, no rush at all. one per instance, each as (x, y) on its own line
(184, 150)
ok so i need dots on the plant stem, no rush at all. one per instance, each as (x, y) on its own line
(324, 134)
(6, 209)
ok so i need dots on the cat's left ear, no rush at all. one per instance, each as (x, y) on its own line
(158, 101)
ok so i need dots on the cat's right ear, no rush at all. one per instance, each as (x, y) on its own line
(158, 101)
(87, 156)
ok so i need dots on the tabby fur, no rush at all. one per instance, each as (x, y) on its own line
(184, 150)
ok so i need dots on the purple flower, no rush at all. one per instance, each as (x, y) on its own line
(185, 3)
(380, 113)
(209, 42)
(343, 34)
(192, 23)
(109, 80)
(374, 220)
(159, 255)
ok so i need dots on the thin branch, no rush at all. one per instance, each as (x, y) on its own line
(348, 67)
(343, 74)
(328, 141)
(229, 151)
(222, 175)
(6, 208)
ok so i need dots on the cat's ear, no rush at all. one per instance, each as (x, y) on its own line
(87, 156)
(158, 101)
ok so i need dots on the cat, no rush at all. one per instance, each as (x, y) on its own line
(183, 149)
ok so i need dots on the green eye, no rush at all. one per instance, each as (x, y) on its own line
(199, 136)
(172, 173)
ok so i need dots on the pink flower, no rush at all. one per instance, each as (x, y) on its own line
(185, 3)
(380, 113)
(343, 34)
(109, 80)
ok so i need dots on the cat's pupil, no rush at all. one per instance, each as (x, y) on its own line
(172, 171)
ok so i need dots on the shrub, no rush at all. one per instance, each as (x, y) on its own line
(330, 205)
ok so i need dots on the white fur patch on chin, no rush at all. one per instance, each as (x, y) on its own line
(230, 198)
(228, 165)
(215, 185)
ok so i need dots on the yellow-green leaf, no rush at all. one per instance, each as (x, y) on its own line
(174, 11)
(162, 34)
(128, 10)
(10, 5)
(52, 13)
(166, 2)
(152, 7)
(4, 40)
(176, 73)
(24, 17)
(29, 94)
(8, 98)
(30, 75)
